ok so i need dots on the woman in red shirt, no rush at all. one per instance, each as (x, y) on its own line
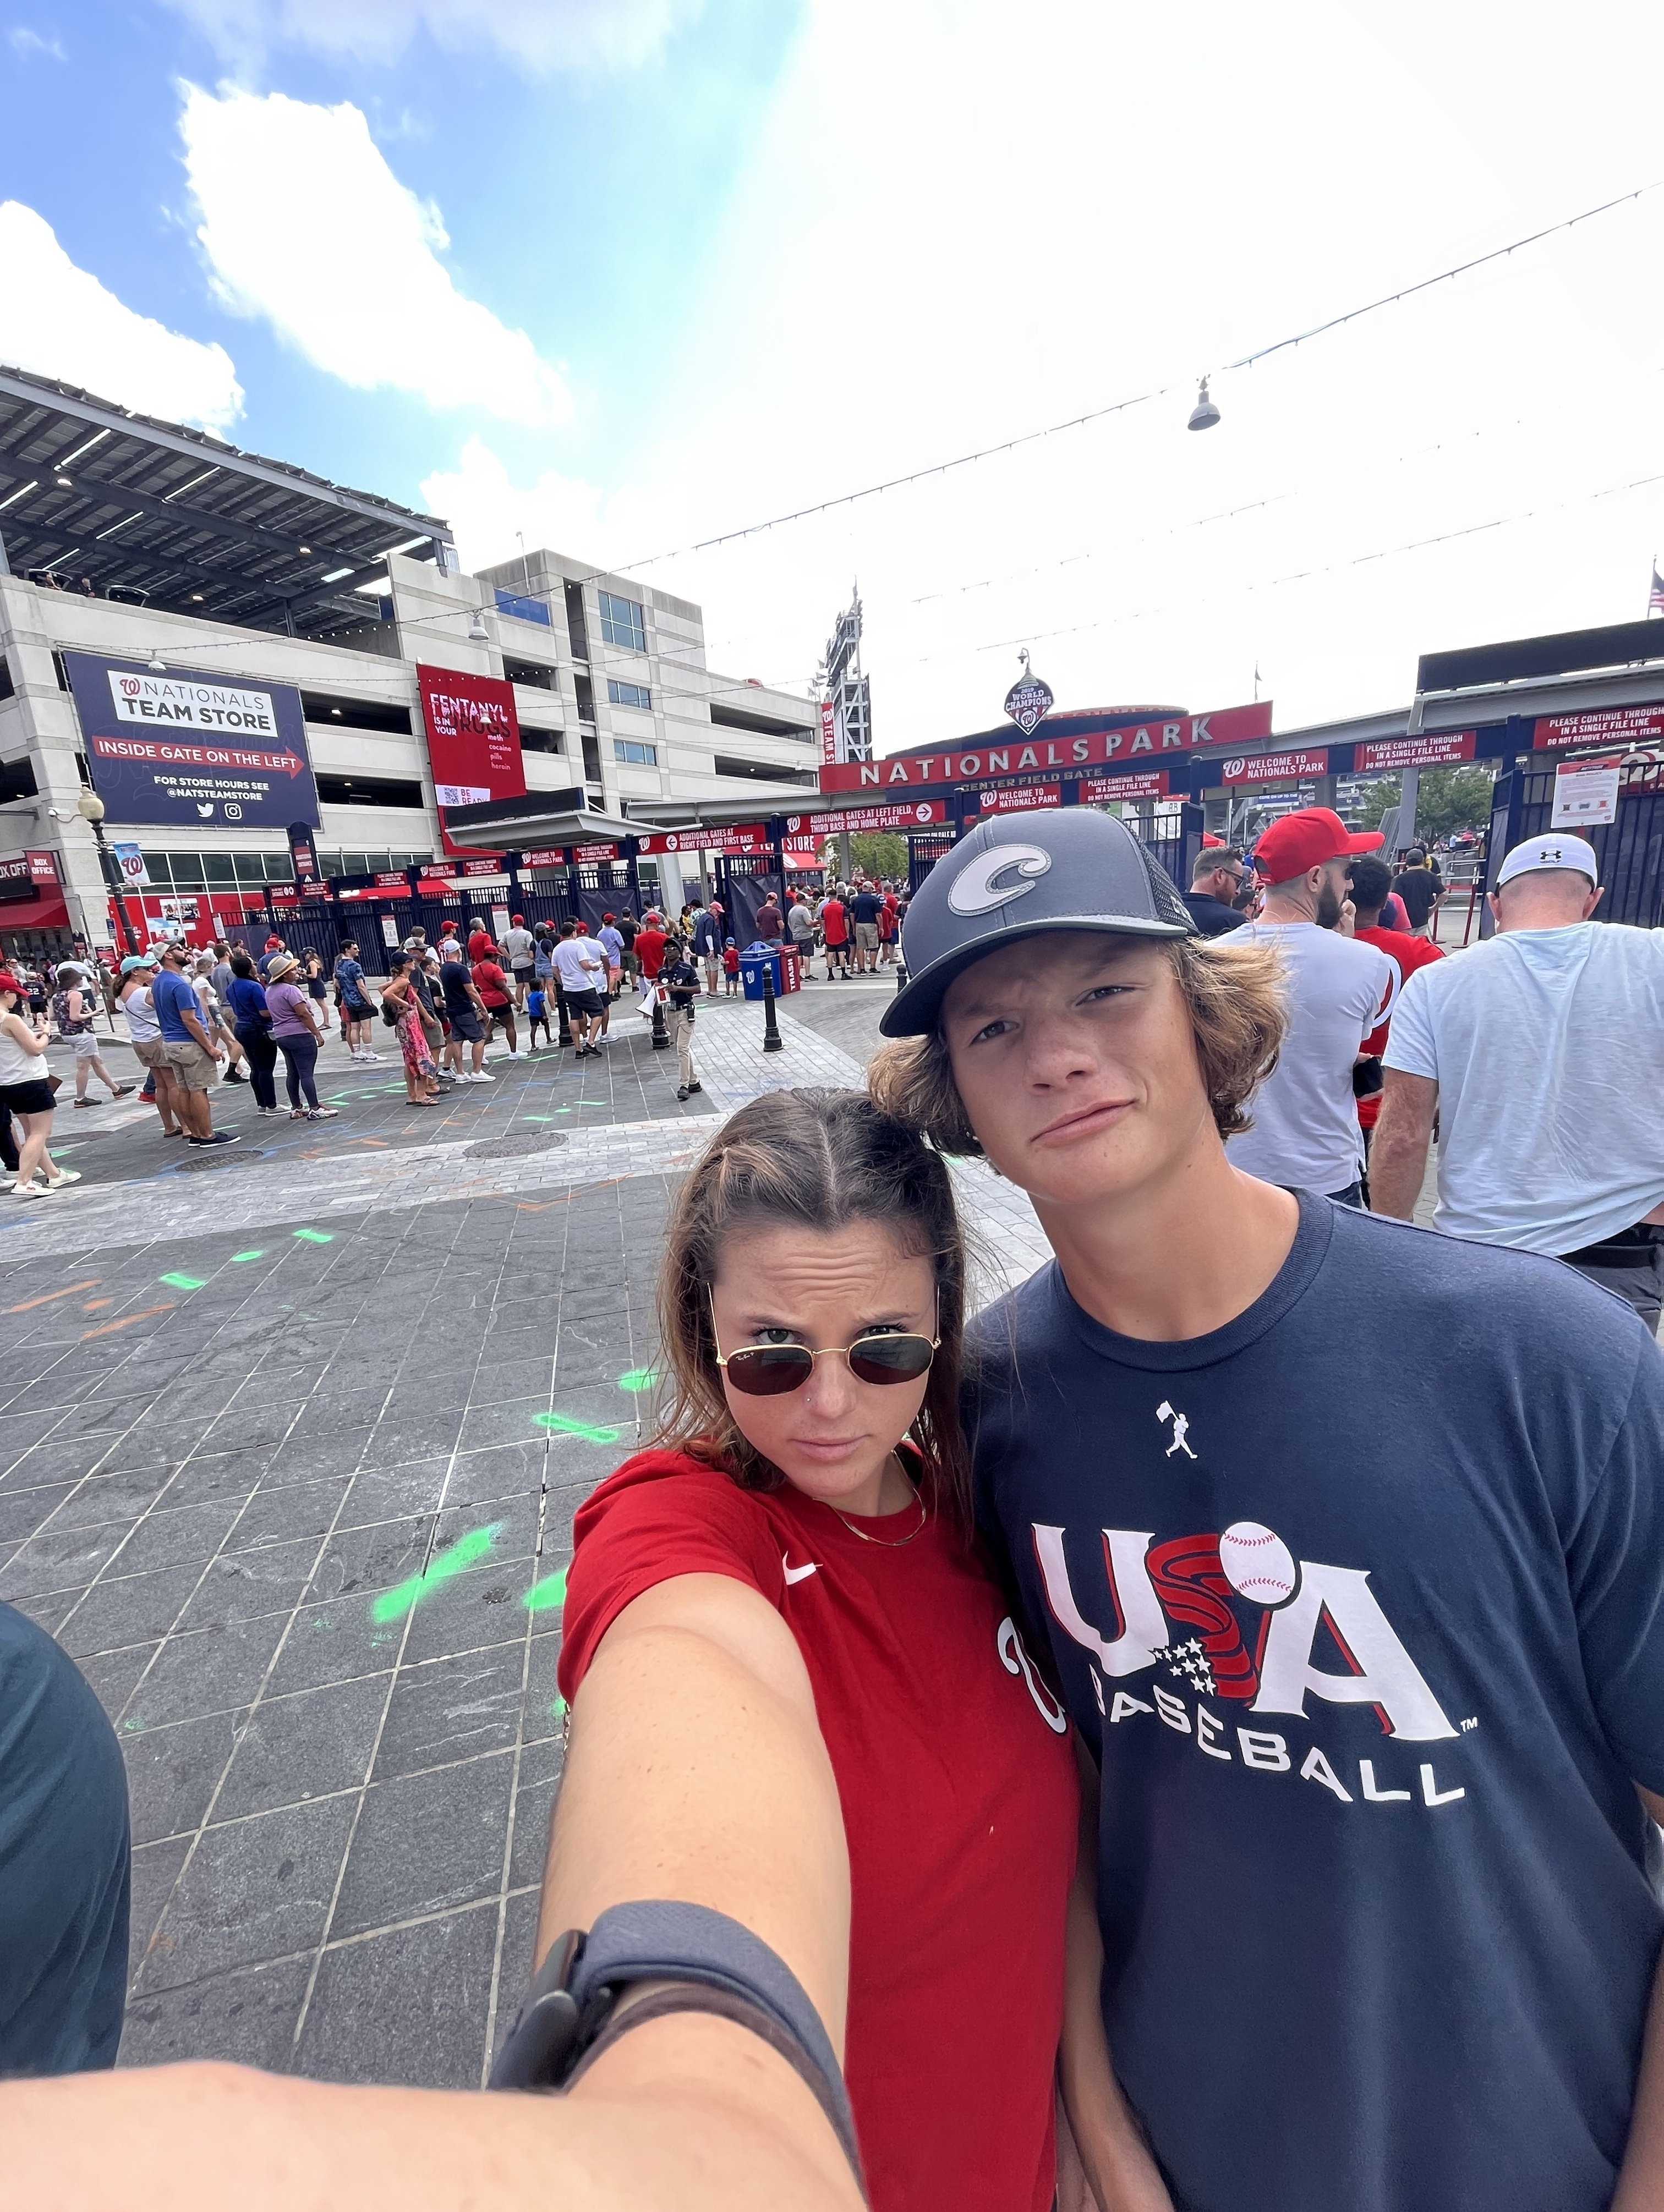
(808, 1516)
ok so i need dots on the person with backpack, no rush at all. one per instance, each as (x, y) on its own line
(74, 1012)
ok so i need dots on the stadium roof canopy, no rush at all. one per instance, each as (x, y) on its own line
(157, 514)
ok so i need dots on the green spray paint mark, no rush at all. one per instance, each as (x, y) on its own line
(570, 1427)
(315, 1236)
(557, 1711)
(184, 1282)
(248, 1255)
(544, 1596)
(393, 1604)
(639, 1378)
(539, 1117)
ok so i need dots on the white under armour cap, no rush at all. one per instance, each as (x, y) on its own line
(1552, 851)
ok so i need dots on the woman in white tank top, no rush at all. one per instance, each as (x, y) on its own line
(25, 1092)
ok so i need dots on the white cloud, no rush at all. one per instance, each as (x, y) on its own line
(927, 250)
(305, 224)
(60, 321)
(24, 42)
(542, 35)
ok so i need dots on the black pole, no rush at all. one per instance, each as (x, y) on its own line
(661, 1035)
(900, 973)
(106, 862)
(563, 1031)
(772, 1040)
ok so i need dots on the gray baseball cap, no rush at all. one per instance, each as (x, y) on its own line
(1019, 875)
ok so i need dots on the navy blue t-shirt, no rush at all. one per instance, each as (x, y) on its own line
(64, 1861)
(1360, 1603)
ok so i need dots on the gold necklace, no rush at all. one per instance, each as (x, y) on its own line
(884, 1543)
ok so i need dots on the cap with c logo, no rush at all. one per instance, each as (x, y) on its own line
(1019, 877)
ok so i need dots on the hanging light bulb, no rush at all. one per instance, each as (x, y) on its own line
(156, 665)
(477, 633)
(1204, 414)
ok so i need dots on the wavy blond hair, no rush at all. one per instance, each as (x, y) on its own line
(1239, 1016)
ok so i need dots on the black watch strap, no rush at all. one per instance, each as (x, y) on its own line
(575, 1990)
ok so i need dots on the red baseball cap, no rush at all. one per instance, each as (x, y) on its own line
(519, 921)
(11, 983)
(1305, 839)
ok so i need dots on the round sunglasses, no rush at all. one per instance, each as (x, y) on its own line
(769, 1371)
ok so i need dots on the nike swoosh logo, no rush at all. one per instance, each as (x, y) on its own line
(797, 1574)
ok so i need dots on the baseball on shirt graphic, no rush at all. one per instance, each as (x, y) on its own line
(1257, 1636)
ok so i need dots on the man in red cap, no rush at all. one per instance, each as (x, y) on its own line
(1305, 1133)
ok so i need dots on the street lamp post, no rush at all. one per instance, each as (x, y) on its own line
(90, 807)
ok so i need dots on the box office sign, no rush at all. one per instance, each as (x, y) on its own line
(175, 745)
(29, 875)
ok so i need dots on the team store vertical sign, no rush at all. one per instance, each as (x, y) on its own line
(474, 740)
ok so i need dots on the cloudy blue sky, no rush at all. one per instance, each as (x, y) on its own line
(626, 274)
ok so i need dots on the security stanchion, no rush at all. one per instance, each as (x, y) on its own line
(900, 973)
(563, 1033)
(661, 1035)
(772, 1040)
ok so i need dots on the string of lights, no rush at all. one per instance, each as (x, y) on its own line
(1297, 576)
(1140, 398)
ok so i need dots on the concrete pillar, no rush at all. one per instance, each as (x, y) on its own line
(1324, 794)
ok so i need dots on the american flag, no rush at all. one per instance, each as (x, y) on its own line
(1655, 597)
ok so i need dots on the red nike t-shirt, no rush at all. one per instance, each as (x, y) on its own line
(959, 1807)
(1406, 953)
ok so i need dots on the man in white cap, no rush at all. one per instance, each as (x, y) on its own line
(1305, 1133)
(1541, 1052)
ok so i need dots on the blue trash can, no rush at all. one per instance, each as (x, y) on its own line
(752, 961)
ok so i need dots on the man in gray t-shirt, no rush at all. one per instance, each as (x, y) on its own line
(521, 946)
(1541, 1053)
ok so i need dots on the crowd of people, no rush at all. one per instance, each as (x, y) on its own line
(1042, 1758)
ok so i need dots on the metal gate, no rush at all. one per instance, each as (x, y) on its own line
(924, 849)
(1630, 850)
(744, 881)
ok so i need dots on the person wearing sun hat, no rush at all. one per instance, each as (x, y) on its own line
(1305, 1134)
(1541, 1054)
(1345, 1713)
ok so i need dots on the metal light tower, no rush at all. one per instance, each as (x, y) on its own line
(842, 684)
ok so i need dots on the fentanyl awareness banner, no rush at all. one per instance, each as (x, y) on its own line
(177, 745)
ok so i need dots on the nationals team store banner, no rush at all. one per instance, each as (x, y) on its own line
(474, 740)
(177, 746)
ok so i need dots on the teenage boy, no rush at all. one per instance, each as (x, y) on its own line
(1381, 1741)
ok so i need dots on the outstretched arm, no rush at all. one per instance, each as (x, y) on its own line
(697, 1772)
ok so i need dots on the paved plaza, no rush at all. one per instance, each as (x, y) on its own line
(291, 1438)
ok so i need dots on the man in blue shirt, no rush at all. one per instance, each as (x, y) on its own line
(1380, 1731)
(192, 1053)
